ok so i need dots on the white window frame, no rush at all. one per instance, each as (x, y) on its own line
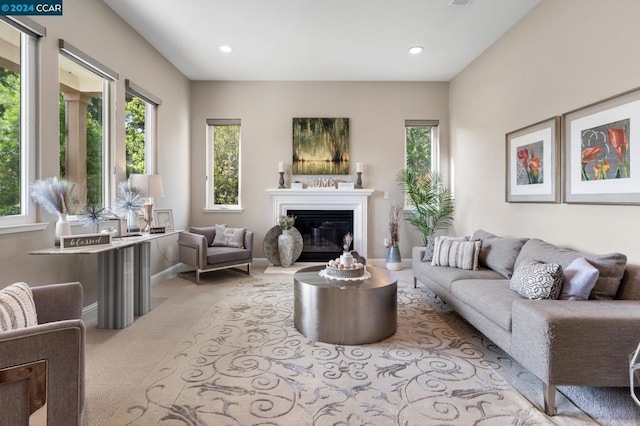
(30, 33)
(435, 147)
(209, 198)
(150, 124)
(109, 77)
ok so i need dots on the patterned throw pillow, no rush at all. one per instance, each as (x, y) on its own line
(458, 253)
(17, 309)
(229, 237)
(536, 280)
(428, 249)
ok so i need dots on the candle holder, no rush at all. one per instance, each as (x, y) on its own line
(359, 180)
(281, 180)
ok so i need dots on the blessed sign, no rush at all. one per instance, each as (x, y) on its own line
(82, 241)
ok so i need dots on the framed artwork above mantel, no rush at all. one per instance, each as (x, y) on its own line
(320, 146)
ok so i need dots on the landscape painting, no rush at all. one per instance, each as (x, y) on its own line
(320, 146)
(605, 152)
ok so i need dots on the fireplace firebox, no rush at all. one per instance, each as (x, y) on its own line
(322, 232)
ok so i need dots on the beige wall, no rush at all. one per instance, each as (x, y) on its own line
(376, 113)
(561, 56)
(93, 28)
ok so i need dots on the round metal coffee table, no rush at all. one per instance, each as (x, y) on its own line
(344, 311)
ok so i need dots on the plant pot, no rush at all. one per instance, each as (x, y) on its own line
(285, 248)
(393, 259)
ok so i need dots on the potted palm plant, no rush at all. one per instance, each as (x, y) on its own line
(432, 204)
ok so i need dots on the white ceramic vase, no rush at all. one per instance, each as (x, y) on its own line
(62, 228)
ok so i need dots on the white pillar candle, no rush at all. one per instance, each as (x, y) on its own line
(359, 167)
(281, 167)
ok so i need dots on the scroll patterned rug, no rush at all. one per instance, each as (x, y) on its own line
(244, 363)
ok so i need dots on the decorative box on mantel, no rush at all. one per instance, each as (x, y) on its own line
(327, 199)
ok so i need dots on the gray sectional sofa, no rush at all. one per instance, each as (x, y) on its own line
(562, 342)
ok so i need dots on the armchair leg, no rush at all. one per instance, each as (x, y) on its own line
(197, 276)
(415, 282)
(549, 392)
(248, 269)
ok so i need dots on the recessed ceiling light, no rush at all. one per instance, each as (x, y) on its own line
(225, 49)
(415, 50)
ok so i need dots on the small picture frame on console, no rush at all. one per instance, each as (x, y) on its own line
(163, 218)
(533, 165)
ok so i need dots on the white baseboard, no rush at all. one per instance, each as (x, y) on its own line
(90, 313)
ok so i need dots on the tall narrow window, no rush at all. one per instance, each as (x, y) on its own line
(84, 126)
(421, 148)
(18, 57)
(140, 116)
(223, 164)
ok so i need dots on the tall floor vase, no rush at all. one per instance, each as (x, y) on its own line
(62, 228)
(393, 259)
(285, 248)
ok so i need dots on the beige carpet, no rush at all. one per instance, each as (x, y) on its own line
(226, 352)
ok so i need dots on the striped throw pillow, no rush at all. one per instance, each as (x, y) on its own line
(17, 309)
(456, 254)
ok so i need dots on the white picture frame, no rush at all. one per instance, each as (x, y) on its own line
(163, 218)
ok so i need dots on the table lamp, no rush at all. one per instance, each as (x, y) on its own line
(149, 187)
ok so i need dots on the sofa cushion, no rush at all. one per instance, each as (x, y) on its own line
(492, 298)
(17, 309)
(537, 280)
(456, 254)
(445, 276)
(229, 237)
(428, 249)
(225, 254)
(498, 253)
(579, 279)
(209, 232)
(611, 266)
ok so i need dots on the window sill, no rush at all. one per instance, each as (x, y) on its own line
(224, 209)
(25, 227)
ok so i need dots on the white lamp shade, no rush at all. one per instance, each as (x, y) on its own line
(147, 185)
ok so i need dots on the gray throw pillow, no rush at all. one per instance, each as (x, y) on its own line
(428, 249)
(536, 280)
(611, 266)
(229, 237)
(579, 279)
(500, 254)
(209, 232)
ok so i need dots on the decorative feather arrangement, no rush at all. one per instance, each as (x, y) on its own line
(127, 199)
(53, 194)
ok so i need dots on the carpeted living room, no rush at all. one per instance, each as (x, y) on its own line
(184, 168)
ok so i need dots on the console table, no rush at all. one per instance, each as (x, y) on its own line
(124, 277)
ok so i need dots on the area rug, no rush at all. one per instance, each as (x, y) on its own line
(244, 363)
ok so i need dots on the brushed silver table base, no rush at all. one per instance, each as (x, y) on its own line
(347, 312)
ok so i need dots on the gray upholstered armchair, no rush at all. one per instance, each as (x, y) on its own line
(45, 363)
(216, 247)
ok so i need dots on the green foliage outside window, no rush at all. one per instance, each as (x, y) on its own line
(135, 118)
(9, 143)
(226, 164)
(419, 149)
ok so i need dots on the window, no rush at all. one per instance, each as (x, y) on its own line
(140, 118)
(421, 148)
(85, 107)
(18, 63)
(223, 164)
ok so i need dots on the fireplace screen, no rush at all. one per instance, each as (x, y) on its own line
(322, 232)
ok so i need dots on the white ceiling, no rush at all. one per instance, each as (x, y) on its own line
(324, 40)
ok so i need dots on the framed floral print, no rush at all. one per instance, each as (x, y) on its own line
(533, 166)
(602, 152)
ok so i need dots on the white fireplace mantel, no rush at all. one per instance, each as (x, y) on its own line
(327, 199)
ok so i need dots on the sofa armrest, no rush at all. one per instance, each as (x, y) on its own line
(583, 343)
(248, 242)
(58, 302)
(62, 345)
(192, 249)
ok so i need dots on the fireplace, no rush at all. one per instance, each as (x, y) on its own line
(326, 199)
(322, 232)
